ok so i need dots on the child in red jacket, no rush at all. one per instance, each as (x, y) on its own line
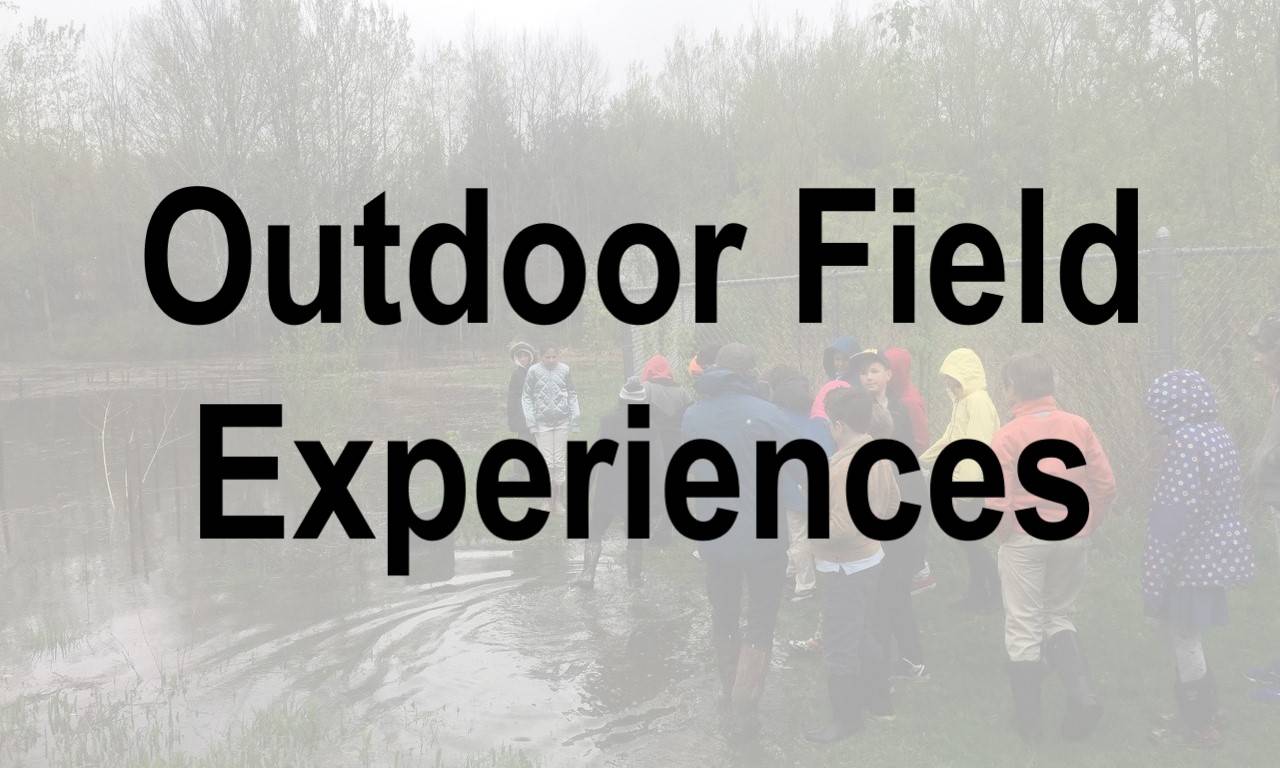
(1040, 580)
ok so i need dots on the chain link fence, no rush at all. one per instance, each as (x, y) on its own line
(1196, 307)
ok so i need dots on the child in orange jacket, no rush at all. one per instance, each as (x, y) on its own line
(1040, 580)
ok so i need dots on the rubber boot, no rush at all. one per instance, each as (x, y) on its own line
(846, 711)
(748, 687)
(1025, 679)
(1197, 714)
(635, 564)
(1084, 712)
(590, 559)
(726, 650)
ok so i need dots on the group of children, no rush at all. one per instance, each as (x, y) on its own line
(1197, 543)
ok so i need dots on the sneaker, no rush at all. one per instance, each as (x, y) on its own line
(1267, 695)
(1208, 737)
(908, 671)
(810, 647)
(921, 584)
(1171, 720)
(1269, 676)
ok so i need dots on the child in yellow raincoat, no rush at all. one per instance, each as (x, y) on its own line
(973, 417)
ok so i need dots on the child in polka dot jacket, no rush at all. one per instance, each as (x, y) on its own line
(1197, 543)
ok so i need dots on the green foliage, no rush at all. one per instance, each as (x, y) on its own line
(304, 111)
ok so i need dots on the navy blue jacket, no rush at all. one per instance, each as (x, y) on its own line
(1196, 535)
(730, 412)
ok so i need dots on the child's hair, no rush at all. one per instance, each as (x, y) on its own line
(545, 348)
(788, 388)
(706, 354)
(850, 407)
(1030, 375)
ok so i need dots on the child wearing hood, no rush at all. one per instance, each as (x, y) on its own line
(903, 389)
(973, 417)
(521, 355)
(1197, 544)
(835, 362)
(911, 403)
(703, 360)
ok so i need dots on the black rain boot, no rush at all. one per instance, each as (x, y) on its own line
(635, 564)
(590, 559)
(1196, 724)
(1025, 678)
(1084, 712)
(726, 650)
(846, 711)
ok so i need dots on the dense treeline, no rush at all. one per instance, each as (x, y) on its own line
(302, 111)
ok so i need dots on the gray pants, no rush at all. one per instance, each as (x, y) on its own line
(799, 558)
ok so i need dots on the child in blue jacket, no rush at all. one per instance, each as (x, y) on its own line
(1197, 544)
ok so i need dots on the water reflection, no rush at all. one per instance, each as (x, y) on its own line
(127, 638)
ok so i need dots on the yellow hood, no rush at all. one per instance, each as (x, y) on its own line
(964, 366)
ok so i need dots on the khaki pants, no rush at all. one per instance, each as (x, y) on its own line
(799, 558)
(1040, 581)
(553, 444)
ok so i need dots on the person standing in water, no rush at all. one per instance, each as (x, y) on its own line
(551, 411)
(730, 412)
(609, 489)
(521, 355)
(667, 403)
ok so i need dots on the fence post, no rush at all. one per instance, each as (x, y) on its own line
(626, 333)
(835, 308)
(628, 350)
(1166, 278)
(4, 510)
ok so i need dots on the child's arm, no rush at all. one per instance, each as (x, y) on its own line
(1101, 479)
(515, 401)
(575, 411)
(1167, 521)
(955, 430)
(526, 398)
(840, 524)
(885, 493)
(1005, 452)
